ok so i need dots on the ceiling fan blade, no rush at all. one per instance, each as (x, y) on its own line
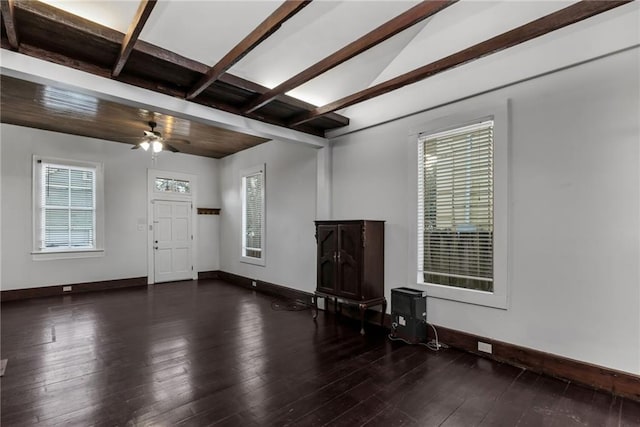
(178, 141)
(170, 148)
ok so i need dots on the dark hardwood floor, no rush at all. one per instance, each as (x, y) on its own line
(210, 353)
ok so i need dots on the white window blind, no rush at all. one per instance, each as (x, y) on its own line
(455, 207)
(253, 214)
(67, 207)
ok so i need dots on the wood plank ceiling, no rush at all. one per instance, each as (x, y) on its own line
(50, 108)
(46, 32)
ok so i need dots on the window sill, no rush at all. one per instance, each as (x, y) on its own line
(467, 296)
(255, 261)
(66, 254)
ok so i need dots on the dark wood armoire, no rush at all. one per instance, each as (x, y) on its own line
(351, 263)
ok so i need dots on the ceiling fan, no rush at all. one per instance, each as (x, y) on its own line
(154, 140)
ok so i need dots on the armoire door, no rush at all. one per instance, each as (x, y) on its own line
(327, 257)
(349, 260)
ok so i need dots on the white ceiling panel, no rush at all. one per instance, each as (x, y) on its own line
(113, 14)
(463, 25)
(357, 73)
(204, 30)
(317, 31)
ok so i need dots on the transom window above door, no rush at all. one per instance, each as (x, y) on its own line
(169, 185)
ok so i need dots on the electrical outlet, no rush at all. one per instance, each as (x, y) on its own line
(66, 289)
(253, 283)
(485, 347)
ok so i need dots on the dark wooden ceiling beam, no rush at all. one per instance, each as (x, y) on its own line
(10, 23)
(70, 20)
(250, 86)
(235, 110)
(554, 21)
(172, 57)
(257, 36)
(390, 28)
(144, 10)
(60, 59)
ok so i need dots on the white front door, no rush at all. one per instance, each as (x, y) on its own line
(172, 241)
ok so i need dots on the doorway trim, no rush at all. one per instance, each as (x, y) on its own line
(152, 196)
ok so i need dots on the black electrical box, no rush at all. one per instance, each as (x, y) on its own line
(409, 314)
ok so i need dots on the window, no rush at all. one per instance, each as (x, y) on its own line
(66, 199)
(460, 235)
(455, 203)
(170, 185)
(253, 215)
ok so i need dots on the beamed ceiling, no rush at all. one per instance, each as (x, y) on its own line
(294, 64)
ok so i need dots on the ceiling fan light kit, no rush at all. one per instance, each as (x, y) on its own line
(153, 139)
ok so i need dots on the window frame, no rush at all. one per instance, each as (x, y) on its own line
(499, 298)
(65, 253)
(245, 173)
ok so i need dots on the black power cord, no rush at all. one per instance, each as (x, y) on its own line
(434, 345)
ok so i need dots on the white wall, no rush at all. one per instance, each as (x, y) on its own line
(290, 212)
(574, 211)
(125, 174)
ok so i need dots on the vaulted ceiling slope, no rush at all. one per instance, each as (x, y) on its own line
(296, 64)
